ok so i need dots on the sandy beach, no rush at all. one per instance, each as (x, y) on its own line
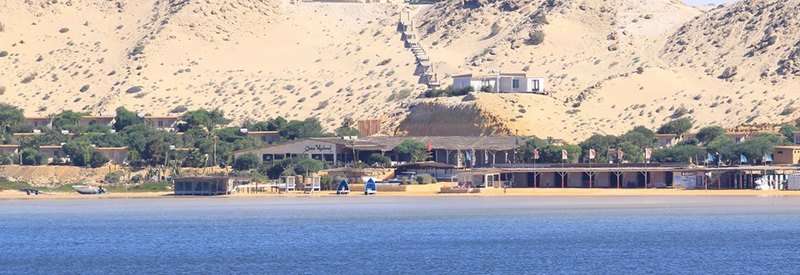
(518, 192)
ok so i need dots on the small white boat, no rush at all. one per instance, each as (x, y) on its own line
(88, 190)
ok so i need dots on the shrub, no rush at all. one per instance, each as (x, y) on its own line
(787, 111)
(290, 167)
(179, 109)
(32, 156)
(425, 179)
(415, 150)
(678, 126)
(539, 18)
(380, 160)
(137, 51)
(98, 160)
(536, 37)
(460, 92)
(681, 111)
(6, 159)
(246, 162)
(384, 62)
(113, 178)
(134, 89)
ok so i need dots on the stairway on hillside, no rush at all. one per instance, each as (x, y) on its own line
(424, 67)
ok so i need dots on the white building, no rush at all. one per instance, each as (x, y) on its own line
(508, 83)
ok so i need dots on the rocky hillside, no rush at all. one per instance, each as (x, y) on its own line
(746, 41)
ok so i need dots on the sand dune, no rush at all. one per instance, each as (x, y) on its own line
(609, 65)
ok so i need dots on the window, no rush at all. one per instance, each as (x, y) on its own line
(535, 85)
(266, 157)
(515, 84)
(160, 123)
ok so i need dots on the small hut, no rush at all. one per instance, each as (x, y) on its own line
(204, 186)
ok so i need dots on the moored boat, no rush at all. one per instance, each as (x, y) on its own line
(88, 190)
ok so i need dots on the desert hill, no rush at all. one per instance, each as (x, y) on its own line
(748, 40)
(609, 64)
(252, 58)
(604, 61)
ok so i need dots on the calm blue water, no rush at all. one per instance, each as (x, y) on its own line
(401, 235)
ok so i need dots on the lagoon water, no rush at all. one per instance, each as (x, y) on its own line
(357, 235)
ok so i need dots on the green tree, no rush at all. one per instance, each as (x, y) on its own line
(125, 118)
(677, 127)
(7, 159)
(707, 134)
(31, 156)
(203, 119)
(679, 153)
(246, 162)
(295, 129)
(148, 144)
(305, 166)
(599, 143)
(80, 152)
(346, 129)
(276, 124)
(68, 120)
(787, 130)
(379, 160)
(550, 150)
(759, 146)
(98, 160)
(640, 137)
(724, 145)
(107, 139)
(10, 116)
(290, 167)
(632, 152)
(414, 150)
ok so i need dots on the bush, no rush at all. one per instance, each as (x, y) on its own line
(246, 162)
(425, 179)
(290, 167)
(113, 178)
(6, 159)
(32, 156)
(678, 126)
(134, 89)
(536, 37)
(98, 160)
(447, 92)
(415, 150)
(379, 160)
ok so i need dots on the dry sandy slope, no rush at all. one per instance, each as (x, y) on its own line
(610, 64)
(603, 61)
(252, 58)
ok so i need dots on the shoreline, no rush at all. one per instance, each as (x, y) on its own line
(490, 193)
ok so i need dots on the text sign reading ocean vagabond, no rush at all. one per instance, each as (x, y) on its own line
(318, 148)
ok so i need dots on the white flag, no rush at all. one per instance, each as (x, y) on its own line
(564, 155)
(592, 154)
